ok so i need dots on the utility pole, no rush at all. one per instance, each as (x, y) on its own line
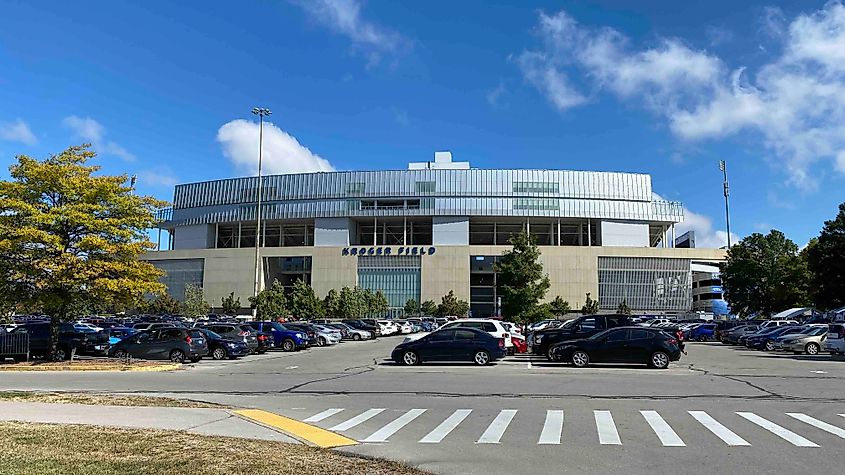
(261, 112)
(726, 188)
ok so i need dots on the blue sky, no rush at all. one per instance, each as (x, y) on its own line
(163, 90)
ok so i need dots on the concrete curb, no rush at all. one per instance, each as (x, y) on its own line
(116, 369)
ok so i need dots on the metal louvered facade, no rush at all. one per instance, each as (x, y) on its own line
(428, 192)
(656, 284)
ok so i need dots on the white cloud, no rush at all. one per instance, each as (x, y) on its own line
(282, 152)
(160, 176)
(495, 94)
(344, 17)
(17, 131)
(93, 132)
(706, 236)
(795, 102)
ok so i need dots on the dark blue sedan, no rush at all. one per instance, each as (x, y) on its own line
(453, 344)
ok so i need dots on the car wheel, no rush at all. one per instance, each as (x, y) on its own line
(219, 353)
(60, 354)
(356, 337)
(580, 358)
(410, 358)
(288, 345)
(659, 360)
(481, 357)
(770, 345)
(177, 356)
(549, 355)
(321, 341)
(813, 348)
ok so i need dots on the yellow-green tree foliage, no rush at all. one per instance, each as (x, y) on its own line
(70, 236)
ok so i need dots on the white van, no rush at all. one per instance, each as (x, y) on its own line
(835, 343)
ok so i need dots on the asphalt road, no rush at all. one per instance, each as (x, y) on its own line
(719, 409)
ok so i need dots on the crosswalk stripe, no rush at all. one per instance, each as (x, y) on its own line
(817, 423)
(667, 436)
(323, 415)
(363, 417)
(552, 428)
(779, 431)
(445, 427)
(497, 428)
(718, 429)
(385, 432)
(606, 428)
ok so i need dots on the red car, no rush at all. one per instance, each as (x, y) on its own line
(519, 344)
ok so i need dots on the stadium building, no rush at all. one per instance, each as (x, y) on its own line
(435, 227)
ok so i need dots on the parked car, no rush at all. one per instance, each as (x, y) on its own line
(703, 332)
(70, 339)
(265, 340)
(351, 332)
(778, 323)
(835, 342)
(388, 327)
(519, 344)
(810, 341)
(118, 333)
(174, 344)
(360, 325)
(309, 331)
(634, 344)
(493, 327)
(451, 344)
(221, 348)
(766, 341)
(234, 331)
(327, 336)
(288, 339)
(582, 327)
(731, 336)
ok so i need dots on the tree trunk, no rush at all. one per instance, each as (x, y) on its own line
(55, 320)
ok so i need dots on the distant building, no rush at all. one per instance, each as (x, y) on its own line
(434, 227)
(686, 240)
(707, 293)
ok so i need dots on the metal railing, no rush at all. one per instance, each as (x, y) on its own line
(14, 344)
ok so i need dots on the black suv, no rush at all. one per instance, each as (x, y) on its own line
(174, 344)
(581, 327)
(69, 339)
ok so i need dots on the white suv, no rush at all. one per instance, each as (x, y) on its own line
(778, 323)
(387, 327)
(493, 327)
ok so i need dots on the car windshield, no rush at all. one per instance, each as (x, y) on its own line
(211, 334)
(816, 331)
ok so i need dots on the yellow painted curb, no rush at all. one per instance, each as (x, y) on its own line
(298, 430)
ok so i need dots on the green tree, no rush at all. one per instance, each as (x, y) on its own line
(826, 261)
(348, 306)
(69, 235)
(162, 304)
(623, 308)
(559, 307)
(380, 304)
(765, 274)
(590, 307)
(367, 300)
(231, 304)
(451, 305)
(521, 279)
(194, 304)
(428, 308)
(331, 304)
(412, 307)
(270, 304)
(303, 302)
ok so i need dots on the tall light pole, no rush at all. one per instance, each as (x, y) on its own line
(724, 170)
(261, 112)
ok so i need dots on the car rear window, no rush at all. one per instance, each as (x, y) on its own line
(464, 335)
(488, 327)
(637, 334)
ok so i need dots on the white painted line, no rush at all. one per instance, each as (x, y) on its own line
(552, 428)
(323, 415)
(661, 428)
(446, 427)
(817, 423)
(720, 431)
(385, 432)
(606, 428)
(497, 428)
(779, 431)
(363, 417)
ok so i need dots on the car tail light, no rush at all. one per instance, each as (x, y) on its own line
(262, 337)
(501, 342)
(672, 341)
(243, 333)
(188, 339)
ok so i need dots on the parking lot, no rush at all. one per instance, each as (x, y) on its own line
(719, 406)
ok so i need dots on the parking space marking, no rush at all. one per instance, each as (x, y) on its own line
(446, 427)
(299, 430)
(779, 431)
(360, 418)
(385, 432)
(606, 428)
(668, 437)
(552, 428)
(497, 428)
(838, 431)
(323, 415)
(720, 431)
